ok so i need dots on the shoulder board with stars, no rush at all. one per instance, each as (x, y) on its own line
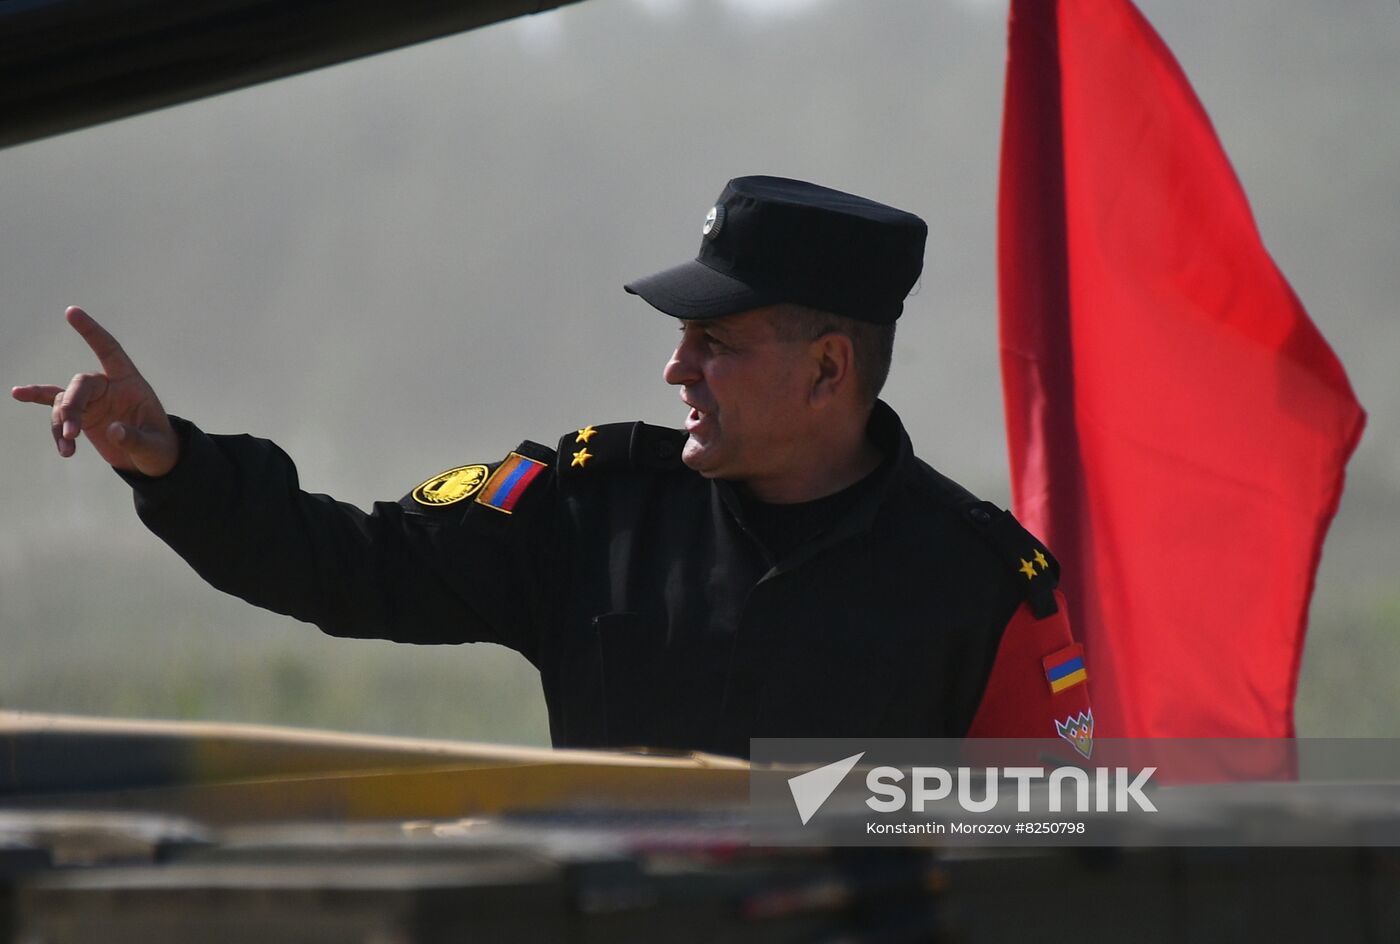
(618, 446)
(1022, 554)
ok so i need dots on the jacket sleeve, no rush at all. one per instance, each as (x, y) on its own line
(1038, 686)
(442, 565)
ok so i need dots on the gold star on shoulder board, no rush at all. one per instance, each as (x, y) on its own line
(585, 434)
(1040, 559)
(1027, 568)
(581, 458)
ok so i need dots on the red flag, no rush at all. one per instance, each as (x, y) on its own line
(1178, 427)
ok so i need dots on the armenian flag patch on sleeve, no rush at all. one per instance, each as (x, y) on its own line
(1065, 668)
(510, 480)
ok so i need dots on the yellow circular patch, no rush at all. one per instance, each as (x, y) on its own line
(451, 486)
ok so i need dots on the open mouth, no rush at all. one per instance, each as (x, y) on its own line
(695, 418)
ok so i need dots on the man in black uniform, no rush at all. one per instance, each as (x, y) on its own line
(785, 566)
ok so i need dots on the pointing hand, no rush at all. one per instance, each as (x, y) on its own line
(116, 409)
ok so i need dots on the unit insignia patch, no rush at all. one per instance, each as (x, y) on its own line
(1078, 730)
(451, 486)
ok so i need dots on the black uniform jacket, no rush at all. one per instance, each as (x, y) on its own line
(633, 585)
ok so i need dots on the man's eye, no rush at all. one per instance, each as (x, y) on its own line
(709, 340)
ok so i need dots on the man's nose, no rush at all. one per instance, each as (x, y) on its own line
(682, 368)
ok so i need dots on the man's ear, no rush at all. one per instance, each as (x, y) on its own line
(835, 358)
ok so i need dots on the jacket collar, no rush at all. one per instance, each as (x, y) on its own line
(886, 431)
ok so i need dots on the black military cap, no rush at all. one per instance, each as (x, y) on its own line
(770, 240)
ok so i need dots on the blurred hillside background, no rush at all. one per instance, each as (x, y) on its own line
(413, 261)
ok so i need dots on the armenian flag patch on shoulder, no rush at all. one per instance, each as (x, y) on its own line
(1065, 668)
(503, 489)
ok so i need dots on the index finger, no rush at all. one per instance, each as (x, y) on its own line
(109, 353)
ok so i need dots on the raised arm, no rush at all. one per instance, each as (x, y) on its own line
(233, 508)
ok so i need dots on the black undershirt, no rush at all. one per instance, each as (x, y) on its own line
(781, 529)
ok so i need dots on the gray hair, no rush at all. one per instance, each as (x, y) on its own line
(873, 344)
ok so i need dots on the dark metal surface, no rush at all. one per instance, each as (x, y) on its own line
(67, 64)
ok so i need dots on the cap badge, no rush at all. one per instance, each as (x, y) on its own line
(714, 222)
